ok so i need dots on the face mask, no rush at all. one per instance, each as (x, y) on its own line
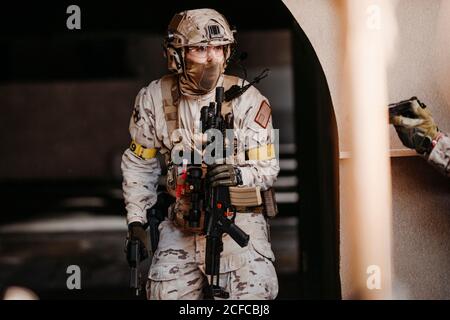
(200, 78)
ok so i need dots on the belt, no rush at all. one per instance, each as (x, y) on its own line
(257, 209)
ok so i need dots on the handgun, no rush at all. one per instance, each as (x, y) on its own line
(404, 108)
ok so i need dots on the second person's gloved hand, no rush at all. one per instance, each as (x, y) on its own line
(416, 133)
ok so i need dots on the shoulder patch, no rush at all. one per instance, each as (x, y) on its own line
(263, 115)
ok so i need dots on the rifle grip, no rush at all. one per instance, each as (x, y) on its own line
(238, 235)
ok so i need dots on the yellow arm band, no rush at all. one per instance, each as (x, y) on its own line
(265, 152)
(141, 152)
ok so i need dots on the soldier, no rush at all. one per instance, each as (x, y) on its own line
(422, 134)
(166, 117)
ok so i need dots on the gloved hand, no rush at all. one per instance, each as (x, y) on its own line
(416, 133)
(136, 232)
(224, 175)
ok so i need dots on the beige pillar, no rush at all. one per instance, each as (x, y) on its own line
(366, 39)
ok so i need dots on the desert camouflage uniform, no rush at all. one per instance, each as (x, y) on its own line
(440, 155)
(177, 269)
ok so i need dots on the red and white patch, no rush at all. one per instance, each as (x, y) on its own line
(263, 115)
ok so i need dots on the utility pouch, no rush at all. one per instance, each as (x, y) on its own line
(270, 203)
(245, 196)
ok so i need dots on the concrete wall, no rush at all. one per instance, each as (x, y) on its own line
(420, 66)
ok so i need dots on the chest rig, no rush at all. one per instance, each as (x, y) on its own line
(175, 176)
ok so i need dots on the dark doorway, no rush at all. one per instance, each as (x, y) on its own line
(318, 158)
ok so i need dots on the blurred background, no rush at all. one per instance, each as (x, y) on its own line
(66, 97)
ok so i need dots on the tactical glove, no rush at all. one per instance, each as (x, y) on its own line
(224, 175)
(136, 232)
(416, 133)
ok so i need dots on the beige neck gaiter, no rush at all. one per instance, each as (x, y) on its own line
(200, 78)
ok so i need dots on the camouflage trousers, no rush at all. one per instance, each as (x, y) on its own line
(178, 269)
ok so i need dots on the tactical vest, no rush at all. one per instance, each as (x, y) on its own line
(171, 98)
